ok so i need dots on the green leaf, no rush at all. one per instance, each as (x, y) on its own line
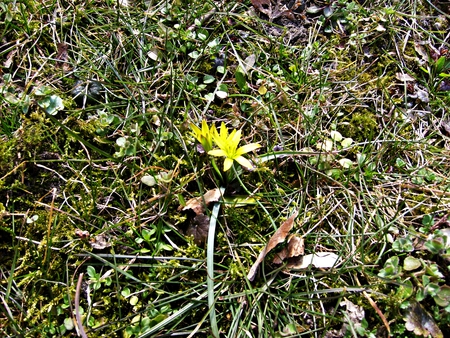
(336, 136)
(91, 271)
(134, 300)
(126, 292)
(194, 55)
(43, 91)
(209, 96)
(440, 64)
(345, 163)
(240, 80)
(411, 263)
(52, 104)
(68, 324)
(347, 142)
(208, 79)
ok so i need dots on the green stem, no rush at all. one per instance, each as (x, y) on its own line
(210, 266)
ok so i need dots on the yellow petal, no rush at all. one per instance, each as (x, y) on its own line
(219, 141)
(247, 148)
(244, 162)
(212, 130)
(196, 130)
(223, 131)
(235, 138)
(217, 152)
(205, 129)
(227, 164)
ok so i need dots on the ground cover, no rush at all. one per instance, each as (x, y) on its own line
(197, 168)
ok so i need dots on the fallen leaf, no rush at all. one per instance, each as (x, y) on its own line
(420, 322)
(404, 77)
(62, 56)
(148, 180)
(100, 242)
(422, 51)
(294, 248)
(318, 260)
(199, 228)
(444, 86)
(278, 237)
(9, 58)
(355, 312)
(198, 204)
(274, 8)
(82, 233)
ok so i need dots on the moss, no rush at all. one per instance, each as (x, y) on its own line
(361, 126)
(7, 155)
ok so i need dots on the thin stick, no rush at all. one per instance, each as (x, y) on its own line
(77, 307)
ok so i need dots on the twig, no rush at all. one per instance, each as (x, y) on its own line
(77, 307)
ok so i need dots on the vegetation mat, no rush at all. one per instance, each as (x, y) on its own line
(261, 168)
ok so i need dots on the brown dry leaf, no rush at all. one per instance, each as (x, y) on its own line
(320, 260)
(274, 10)
(422, 51)
(196, 204)
(100, 242)
(295, 247)
(355, 313)
(404, 77)
(62, 56)
(199, 228)
(278, 237)
(9, 58)
(420, 322)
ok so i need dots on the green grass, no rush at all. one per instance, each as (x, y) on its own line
(131, 80)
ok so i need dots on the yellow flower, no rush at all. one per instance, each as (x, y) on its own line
(204, 135)
(228, 147)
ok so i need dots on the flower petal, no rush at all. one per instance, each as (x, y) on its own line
(205, 129)
(218, 139)
(247, 148)
(235, 138)
(196, 130)
(227, 164)
(217, 152)
(244, 162)
(223, 131)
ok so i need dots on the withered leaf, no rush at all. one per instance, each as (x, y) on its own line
(199, 228)
(278, 237)
(404, 77)
(82, 233)
(355, 313)
(100, 242)
(420, 322)
(9, 58)
(444, 86)
(62, 56)
(318, 260)
(294, 248)
(198, 206)
(445, 126)
(273, 9)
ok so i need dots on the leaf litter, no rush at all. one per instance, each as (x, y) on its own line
(278, 237)
(293, 253)
(199, 225)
